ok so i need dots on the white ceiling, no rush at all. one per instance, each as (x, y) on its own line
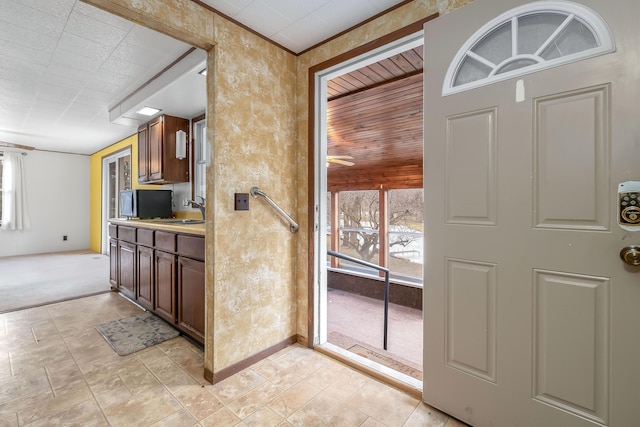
(67, 65)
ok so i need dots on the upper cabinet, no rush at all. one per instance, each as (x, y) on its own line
(157, 162)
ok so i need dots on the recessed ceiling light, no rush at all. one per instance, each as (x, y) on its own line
(148, 111)
(203, 72)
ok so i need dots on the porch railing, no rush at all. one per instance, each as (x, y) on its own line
(386, 286)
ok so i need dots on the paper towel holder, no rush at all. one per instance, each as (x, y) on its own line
(181, 144)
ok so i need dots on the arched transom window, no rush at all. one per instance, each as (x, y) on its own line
(526, 39)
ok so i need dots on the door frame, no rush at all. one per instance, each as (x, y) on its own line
(398, 40)
(104, 187)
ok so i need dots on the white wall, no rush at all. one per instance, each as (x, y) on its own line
(58, 201)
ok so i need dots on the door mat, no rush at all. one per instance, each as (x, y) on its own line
(136, 333)
(387, 361)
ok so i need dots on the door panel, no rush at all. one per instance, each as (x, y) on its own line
(530, 315)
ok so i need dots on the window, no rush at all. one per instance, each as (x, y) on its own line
(406, 232)
(360, 232)
(525, 39)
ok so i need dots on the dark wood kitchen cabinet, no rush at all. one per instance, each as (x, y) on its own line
(157, 162)
(165, 286)
(113, 263)
(146, 277)
(164, 272)
(191, 297)
(127, 268)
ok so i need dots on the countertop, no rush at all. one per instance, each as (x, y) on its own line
(168, 224)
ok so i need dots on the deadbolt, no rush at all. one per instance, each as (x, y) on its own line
(631, 255)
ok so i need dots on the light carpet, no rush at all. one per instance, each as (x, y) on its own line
(33, 280)
(136, 333)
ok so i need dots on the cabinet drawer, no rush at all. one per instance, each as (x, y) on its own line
(191, 247)
(128, 234)
(145, 237)
(165, 241)
(113, 230)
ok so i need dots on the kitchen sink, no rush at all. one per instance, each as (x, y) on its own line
(180, 221)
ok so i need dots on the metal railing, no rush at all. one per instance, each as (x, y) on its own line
(386, 286)
(293, 225)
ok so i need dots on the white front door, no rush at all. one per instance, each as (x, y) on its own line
(531, 317)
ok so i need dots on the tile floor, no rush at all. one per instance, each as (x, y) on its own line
(56, 370)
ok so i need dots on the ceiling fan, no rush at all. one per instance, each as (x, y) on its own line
(342, 160)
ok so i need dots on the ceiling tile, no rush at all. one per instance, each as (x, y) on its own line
(263, 19)
(75, 61)
(26, 37)
(60, 8)
(105, 17)
(92, 29)
(229, 8)
(35, 20)
(295, 9)
(26, 55)
(351, 13)
(298, 37)
(83, 47)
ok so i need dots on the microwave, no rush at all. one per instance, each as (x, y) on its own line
(145, 204)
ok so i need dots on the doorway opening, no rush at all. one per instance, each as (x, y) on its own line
(369, 202)
(116, 176)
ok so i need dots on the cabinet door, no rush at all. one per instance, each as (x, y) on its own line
(127, 269)
(145, 277)
(165, 286)
(191, 297)
(113, 263)
(143, 154)
(155, 149)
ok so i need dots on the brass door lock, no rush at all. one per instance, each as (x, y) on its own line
(631, 255)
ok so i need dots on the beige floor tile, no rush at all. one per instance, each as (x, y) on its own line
(371, 399)
(263, 417)
(308, 365)
(9, 420)
(254, 400)
(179, 419)
(25, 360)
(426, 416)
(452, 422)
(150, 354)
(65, 376)
(347, 384)
(223, 418)
(139, 380)
(85, 414)
(113, 397)
(143, 409)
(233, 387)
(198, 401)
(26, 383)
(327, 376)
(108, 366)
(34, 398)
(280, 376)
(5, 365)
(53, 405)
(325, 410)
(189, 360)
(105, 384)
(293, 399)
(293, 356)
(170, 374)
(371, 422)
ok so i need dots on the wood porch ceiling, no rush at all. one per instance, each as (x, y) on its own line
(375, 116)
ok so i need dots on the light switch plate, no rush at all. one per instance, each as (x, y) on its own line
(241, 201)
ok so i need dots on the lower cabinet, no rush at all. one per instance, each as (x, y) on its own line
(113, 263)
(165, 286)
(191, 297)
(164, 272)
(146, 277)
(127, 268)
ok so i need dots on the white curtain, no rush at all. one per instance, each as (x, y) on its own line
(15, 214)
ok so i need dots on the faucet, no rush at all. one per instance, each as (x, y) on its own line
(199, 205)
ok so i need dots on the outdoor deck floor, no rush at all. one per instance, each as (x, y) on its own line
(358, 320)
